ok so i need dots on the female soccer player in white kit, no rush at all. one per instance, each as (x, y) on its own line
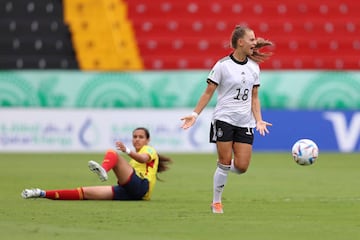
(238, 111)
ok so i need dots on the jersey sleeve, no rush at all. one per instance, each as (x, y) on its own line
(215, 74)
(149, 150)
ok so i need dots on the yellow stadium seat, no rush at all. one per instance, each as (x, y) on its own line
(102, 35)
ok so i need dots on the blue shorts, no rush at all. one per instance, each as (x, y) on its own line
(134, 189)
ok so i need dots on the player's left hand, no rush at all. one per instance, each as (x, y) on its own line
(261, 127)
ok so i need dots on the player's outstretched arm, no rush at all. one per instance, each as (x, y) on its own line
(203, 101)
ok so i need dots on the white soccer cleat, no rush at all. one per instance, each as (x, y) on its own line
(32, 193)
(99, 170)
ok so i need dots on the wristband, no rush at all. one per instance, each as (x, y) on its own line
(127, 150)
(194, 114)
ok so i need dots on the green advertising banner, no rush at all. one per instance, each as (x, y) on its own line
(171, 89)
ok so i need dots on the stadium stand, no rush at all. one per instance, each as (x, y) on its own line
(34, 36)
(171, 34)
(191, 34)
(102, 35)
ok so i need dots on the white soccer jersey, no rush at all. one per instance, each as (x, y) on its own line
(235, 82)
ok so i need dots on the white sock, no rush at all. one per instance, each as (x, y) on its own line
(220, 177)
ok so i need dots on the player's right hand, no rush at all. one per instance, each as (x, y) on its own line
(188, 121)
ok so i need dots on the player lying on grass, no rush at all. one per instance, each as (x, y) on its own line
(135, 179)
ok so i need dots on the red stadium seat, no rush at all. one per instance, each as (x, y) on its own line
(193, 34)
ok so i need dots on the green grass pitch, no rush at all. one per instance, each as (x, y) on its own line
(275, 199)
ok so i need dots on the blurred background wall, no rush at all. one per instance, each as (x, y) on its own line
(78, 74)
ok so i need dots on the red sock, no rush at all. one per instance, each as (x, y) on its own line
(110, 160)
(65, 194)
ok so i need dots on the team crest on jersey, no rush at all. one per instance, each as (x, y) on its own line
(219, 132)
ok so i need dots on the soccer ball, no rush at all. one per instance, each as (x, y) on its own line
(305, 152)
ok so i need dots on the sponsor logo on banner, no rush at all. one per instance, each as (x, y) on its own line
(347, 133)
(60, 130)
(88, 134)
(21, 133)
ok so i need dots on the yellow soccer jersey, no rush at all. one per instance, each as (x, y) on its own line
(147, 170)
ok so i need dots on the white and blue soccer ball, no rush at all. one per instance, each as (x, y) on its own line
(305, 152)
